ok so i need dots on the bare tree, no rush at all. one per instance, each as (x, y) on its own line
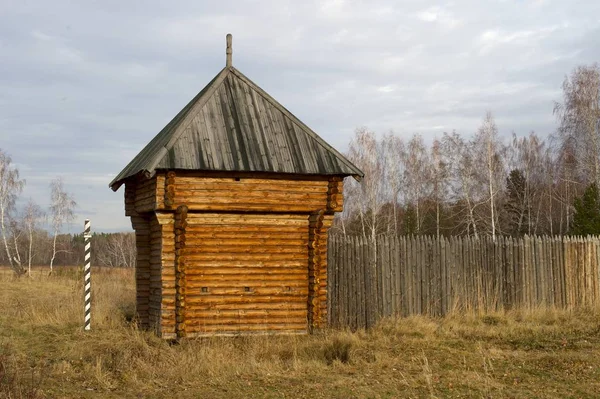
(10, 187)
(568, 182)
(15, 233)
(61, 209)
(368, 197)
(489, 151)
(439, 180)
(391, 153)
(464, 168)
(116, 249)
(579, 117)
(416, 177)
(529, 156)
(32, 215)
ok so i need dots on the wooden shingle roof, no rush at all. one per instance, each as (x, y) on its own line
(233, 125)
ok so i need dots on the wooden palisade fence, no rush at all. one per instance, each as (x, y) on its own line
(401, 276)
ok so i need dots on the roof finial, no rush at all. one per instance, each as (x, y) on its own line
(228, 63)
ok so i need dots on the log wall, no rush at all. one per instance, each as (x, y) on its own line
(167, 191)
(248, 255)
(246, 273)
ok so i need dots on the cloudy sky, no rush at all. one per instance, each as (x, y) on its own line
(84, 85)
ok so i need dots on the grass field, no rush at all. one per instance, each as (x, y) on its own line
(45, 353)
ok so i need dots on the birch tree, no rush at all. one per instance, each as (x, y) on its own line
(61, 210)
(489, 150)
(439, 181)
(15, 233)
(367, 196)
(465, 186)
(32, 215)
(416, 177)
(568, 182)
(579, 117)
(393, 169)
(10, 188)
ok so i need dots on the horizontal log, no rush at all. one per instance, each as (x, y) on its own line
(143, 198)
(144, 203)
(240, 180)
(249, 193)
(299, 305)
(235, 233)
(249, 313)
(208, 300)
(242, 328)
(141, 183)
(246, 256)
(242, 279)
(206, 272)
(235, 263)
(168, 302)
(156, 253)
(191, 249)
(147, 207)
(242, 207)
(202, 242)
(256, 291)
(258, 218)
(233, 321)
(281, 193)
(279, 284)
(215, 228)
(142, 194)
(167, 274)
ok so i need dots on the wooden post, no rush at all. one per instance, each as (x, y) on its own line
(87, 277)
(228, 51)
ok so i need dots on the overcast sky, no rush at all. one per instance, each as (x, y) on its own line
(84, 85)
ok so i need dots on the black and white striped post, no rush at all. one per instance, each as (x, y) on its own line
(87, 276)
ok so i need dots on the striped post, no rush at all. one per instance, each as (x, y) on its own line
(87, 275)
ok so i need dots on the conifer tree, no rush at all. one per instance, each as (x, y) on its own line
(586, 219)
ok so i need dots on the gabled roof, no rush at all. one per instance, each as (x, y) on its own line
(233, 125)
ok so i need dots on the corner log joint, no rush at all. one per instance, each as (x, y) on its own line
(170, 190)
(334, 195)
(314, 268)
(180, 283)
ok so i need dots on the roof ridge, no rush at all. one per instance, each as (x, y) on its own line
(296, 120)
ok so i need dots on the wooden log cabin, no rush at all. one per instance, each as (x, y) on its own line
(231, 203)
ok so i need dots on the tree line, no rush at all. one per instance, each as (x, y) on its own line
(481, 184)
(32, 236)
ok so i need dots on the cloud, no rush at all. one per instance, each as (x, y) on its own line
(440, 16)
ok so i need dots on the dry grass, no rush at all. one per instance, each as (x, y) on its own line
(45, 353)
